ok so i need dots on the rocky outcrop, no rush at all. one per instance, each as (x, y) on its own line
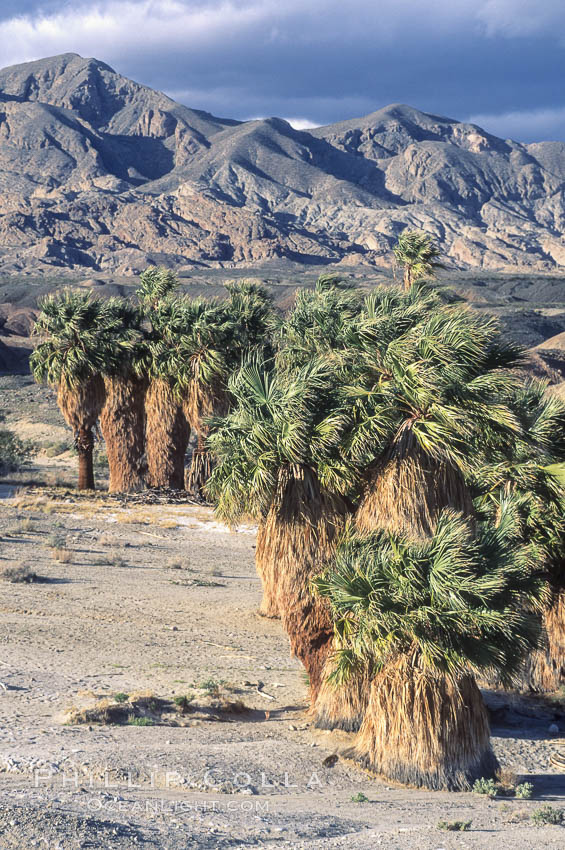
(97, 171)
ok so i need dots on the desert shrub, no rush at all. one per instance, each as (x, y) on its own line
(454, 825)
(14, 453)
(140, 721)
(525, 790)
(183, 702)
(57, 540)
(485, 786)
(121, 697)
(548, 815)
(56, 448)
(211, 686)
(359, 798)
(21, 575)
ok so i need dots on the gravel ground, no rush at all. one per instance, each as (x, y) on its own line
(162, 600)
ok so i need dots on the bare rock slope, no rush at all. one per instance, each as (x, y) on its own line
(98, 171)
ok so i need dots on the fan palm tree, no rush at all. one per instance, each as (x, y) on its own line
(422, 402)
(524, 467)
(76, 346)
(156, 283)
(418, 255)
(122, 418)
(318, 324)
(277, 463)
(222, 336)
(426, 615)
(168, 427)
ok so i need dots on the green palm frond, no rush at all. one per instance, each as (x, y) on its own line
(458, 601)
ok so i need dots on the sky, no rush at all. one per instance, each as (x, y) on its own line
(496, 63)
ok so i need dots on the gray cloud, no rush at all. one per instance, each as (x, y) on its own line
(317, 60)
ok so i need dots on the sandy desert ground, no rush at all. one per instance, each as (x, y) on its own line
(157, 602)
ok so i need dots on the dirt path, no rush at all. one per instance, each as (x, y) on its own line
(162, 601)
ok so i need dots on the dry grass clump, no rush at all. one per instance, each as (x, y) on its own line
(112, 559)
(105, 540)
(134, 519)
(506, 780)
(62, 555)
(22, 574)
(24, 526)
(168, 523)
(144, 708)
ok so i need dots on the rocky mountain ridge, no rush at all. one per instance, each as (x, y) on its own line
(100, 172)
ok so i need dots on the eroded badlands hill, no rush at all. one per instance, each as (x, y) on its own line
(101, 172)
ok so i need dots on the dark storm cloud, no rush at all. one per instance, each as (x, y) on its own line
(500, 62)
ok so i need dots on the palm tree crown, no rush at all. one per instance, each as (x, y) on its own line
(452, 603)
(417, 254)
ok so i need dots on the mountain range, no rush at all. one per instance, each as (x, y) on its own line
(100, 172)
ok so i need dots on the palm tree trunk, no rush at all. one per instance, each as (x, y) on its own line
(122, 423)
(200, 468)
(167, 432)
(425, 729)
(408, 490)
(85, 445)
(341, 706)
(544, 671)
(267, 568)
(298, 536)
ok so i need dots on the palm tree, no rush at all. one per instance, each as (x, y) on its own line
(422, 403)
(319, 322)
(417, 254)
(222, 336)
(524, 467)
(156, 283)
(423, 400)
(426, 615)
(167, 426)
(277, 463)
(122, 418)
(76, 347)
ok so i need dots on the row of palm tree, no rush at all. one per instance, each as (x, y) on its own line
(410, 528)
(148, 371)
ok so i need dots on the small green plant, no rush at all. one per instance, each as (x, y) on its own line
(548, 815)
(485, 786)
(183, 702)
(455, 825)
(121, 697)
(359, 798)
(140, 721)
(57, 541)
(100, 461)
(211, 686)
(525, 790)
